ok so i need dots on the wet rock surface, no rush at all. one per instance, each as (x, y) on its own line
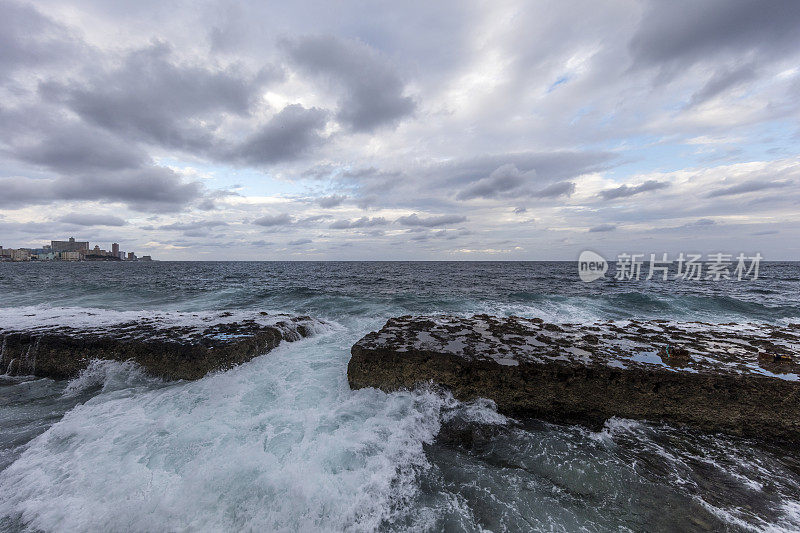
(177, 346)
(735, 378)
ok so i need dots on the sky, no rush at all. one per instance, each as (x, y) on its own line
(497, 130)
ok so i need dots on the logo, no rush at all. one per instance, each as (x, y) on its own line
(591, 266)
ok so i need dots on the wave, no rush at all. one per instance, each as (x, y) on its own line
(277, 443)
(107, 376)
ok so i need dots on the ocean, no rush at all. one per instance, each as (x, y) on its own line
(282, 443)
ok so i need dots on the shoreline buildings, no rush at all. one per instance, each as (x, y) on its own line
(69, 250)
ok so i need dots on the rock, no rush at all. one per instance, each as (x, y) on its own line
(695, 374)
(187, 348)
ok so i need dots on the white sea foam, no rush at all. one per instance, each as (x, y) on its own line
(614, 427)
(44, 316)
(279, 443)
(108, 376)
(482, 411)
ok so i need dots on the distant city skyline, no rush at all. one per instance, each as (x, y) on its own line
(415, 130)
(68, 250)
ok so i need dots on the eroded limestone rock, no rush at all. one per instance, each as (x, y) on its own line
(736, 378)
(172, 346)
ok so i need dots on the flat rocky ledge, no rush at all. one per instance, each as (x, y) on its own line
(168, 345)
(736, 378)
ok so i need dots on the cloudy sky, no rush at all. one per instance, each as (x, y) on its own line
(401, 130)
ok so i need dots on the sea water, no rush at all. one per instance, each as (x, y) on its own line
(282, 443)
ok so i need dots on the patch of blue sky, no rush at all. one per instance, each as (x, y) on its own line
(560, 81)
(247, 181)
(647, 153)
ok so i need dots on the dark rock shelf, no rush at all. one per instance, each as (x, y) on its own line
(187, 348)
(735, 378)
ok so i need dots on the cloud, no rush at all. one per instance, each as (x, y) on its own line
(154, 189)
(87, 219)
(562, 188)
(722, 80)
(701, 222)
(292, 132)
(363, 222)
(331, 201)
(548, 166)
(681, 33)
(371, 91)
(749, 186)
(46, 138)
(507, 181)
(602, 228)
(414, 220)
(299, 242)
(195, 225)
(152, 97)
(216, 119)
(504, 179)
(28, 38)
(269, 221)
(624, 191)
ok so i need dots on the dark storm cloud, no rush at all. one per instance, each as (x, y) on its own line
(72, 147)
(35, 228)
(430, 222)
(45, 136)
(155, 189)
(19, 192)
(602, 228)
(28, 38)
(623, 191)
(748, 187)
(88, 219)
(363, 222)
(331, 201)
(87, 163)
(680, 33)
(268, 221)
(372, 92)
(151, 97)
(290, 133)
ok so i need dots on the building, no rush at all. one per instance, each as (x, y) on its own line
(70, 246)
(70, 255)
(70, 250)
(21, 254)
